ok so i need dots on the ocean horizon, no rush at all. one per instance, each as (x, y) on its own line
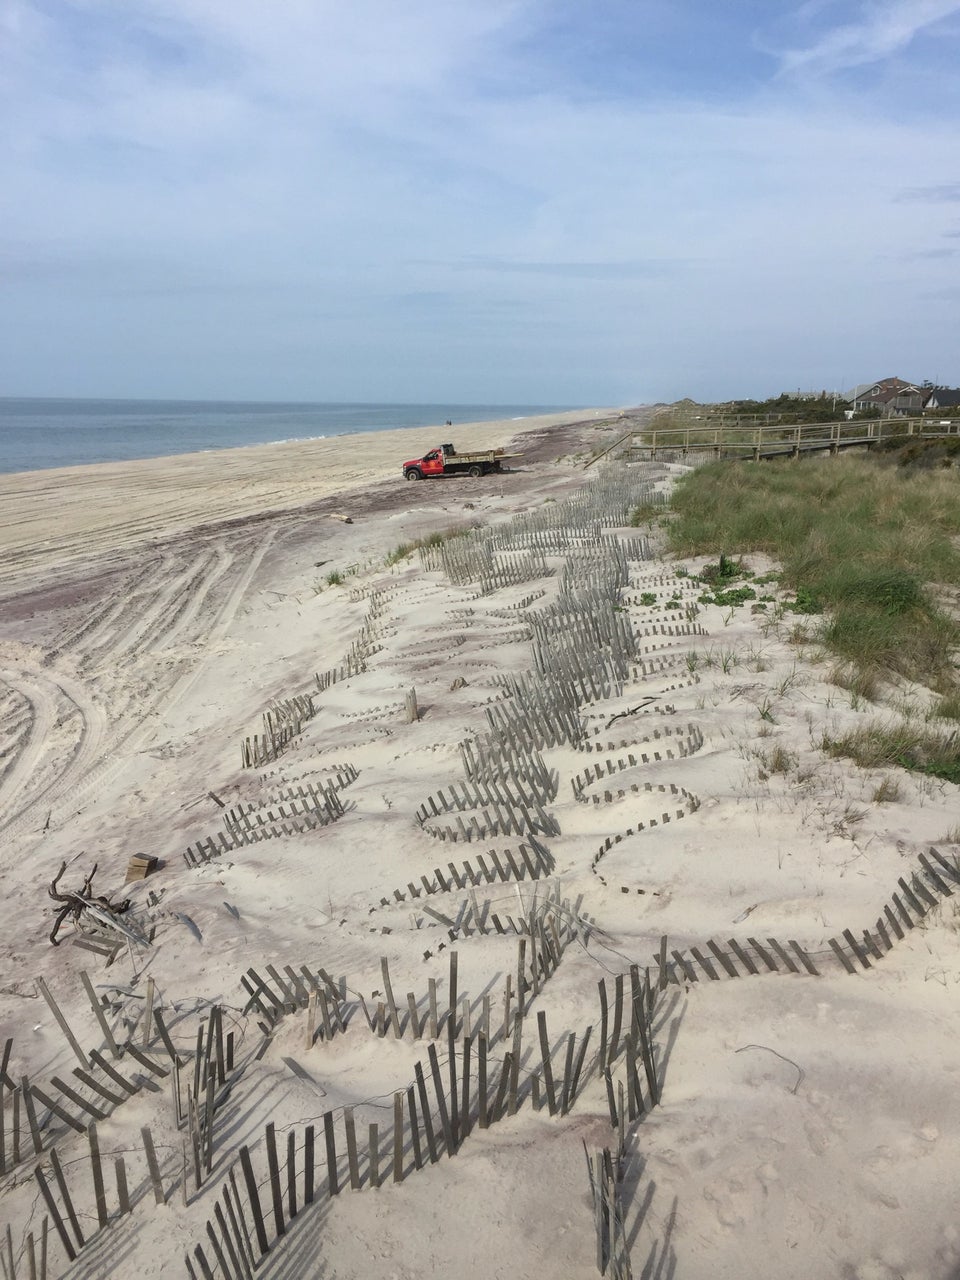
(37, 434)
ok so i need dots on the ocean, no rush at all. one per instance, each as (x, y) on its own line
(38, 434)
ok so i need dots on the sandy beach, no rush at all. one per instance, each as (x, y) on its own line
(54, 517)
(396, 974)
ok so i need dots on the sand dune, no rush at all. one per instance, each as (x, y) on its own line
(612, 809)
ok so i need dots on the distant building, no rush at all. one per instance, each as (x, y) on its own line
(942, 398)
(892, 396)
(854, 394)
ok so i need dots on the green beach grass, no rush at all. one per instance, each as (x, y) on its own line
(872, 551)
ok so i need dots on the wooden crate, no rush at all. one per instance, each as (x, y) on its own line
(140, 866)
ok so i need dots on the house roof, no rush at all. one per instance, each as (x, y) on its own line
(945, 396)
(886, 389)
(894, 384)
(894, 393)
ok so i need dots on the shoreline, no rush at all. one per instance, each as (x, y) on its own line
(77, 512)
(287, 433)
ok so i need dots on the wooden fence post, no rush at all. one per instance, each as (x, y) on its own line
(253, 1196)
(333, 1183)
(398, 1137)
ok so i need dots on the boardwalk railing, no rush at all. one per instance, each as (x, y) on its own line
(771, 439)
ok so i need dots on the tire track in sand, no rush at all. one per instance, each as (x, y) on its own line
(139, 735)
(87, 766)
(43, 690)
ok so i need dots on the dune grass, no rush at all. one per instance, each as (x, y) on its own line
(435, 539)
(922, 749)
(874, 549)
(869, 545)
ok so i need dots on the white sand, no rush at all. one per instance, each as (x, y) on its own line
(53, 517)
(141, 638)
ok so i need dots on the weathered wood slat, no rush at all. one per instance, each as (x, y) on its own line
(842, 956)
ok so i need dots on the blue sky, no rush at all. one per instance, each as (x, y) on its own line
(528, 201)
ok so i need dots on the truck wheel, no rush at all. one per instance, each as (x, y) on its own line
(413, 474)
(475, 471)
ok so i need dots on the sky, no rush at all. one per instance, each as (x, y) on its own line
(565, 202)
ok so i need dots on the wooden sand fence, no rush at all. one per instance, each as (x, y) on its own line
(362, 649)
(935, 878)
(613, 1255)
(40, 1121)
(449, 1097)
(290, 812)
(682, 742)
(531, 860)
(544, 935)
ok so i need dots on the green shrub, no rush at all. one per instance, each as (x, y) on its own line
(735, 596)
(723, 571)
(804, 602)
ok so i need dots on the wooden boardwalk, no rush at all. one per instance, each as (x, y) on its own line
(771, 440)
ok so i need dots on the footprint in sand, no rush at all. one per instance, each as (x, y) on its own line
(725, 1206)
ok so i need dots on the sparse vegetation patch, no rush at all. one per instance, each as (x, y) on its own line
(881, 745)
(435, 539)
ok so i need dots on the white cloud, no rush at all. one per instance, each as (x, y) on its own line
(882, 30)
(251, 195)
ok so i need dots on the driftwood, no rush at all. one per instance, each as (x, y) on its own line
(83, 905)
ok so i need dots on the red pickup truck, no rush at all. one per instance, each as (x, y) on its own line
(445, 461)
